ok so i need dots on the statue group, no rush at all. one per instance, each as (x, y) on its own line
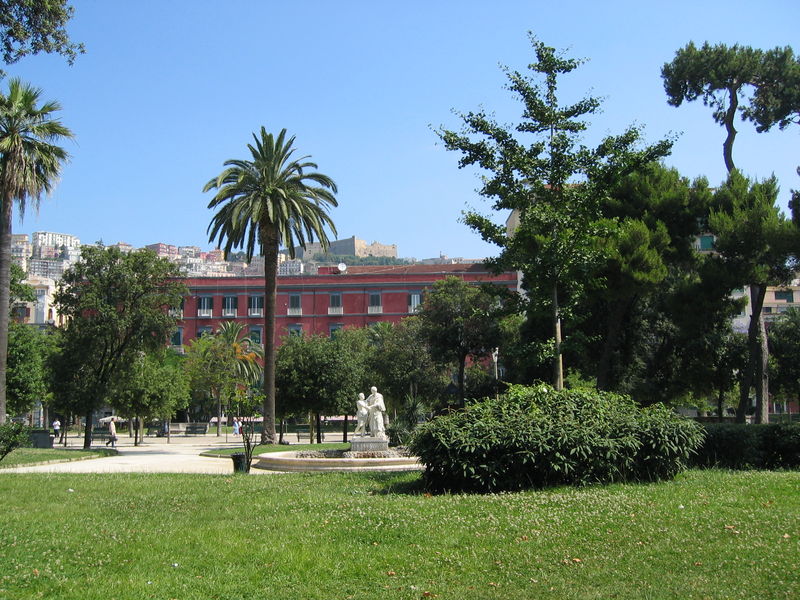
(371, 415)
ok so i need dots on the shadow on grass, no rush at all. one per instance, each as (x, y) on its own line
(405, 483)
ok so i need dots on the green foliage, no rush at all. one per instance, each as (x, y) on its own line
(153, 385)
(318, 374)
(784, 344)
(27, 376)
(116, 306)
(738, 446)
(537, 437)
(399, 362)
(31, 27)
(459, 320)
(351, 260)
(30, 164)
(553, 184)
(270, 201)
(12, 436)
(20, 292)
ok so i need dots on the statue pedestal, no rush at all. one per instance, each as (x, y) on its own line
(368, 444)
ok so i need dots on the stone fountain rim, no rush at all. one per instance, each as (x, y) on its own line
(289, 461)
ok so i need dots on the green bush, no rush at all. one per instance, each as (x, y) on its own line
(13, 436)
(736, 446)
(536, 437)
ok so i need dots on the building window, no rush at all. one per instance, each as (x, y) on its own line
(255, 334)
(295, 329)
(414, 301)
(255, 306)
(205, 306)
(335, 304)
(229, 306)
(177, 337)
(375, 305)
(767, 309)
(785, 295)
(295, 305)
(201, 331)
(333, 328)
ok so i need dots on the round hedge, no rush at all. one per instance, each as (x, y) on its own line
(536, 436)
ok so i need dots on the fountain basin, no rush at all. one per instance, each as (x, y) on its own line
(290, 461)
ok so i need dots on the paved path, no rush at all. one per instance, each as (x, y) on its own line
(155, 455)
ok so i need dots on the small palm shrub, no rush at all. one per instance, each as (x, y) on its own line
(535, 437)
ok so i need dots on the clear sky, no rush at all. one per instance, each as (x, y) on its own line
(168, 90)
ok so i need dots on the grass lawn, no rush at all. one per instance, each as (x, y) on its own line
(30, 456)
(708, 534)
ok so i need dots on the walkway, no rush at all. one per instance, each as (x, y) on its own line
(155, 455)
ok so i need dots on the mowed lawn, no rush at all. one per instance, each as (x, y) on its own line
(708, 534)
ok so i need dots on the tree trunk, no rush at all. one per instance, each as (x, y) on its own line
(318, 419)
(730, 118)
(344, 431)
(757, 293)
(5, 296)
(87, 432)
(270, 246)
(762, 375)
(558, 366)
(720, 403)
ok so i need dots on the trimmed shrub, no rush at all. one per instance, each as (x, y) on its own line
(737, 446)
(537, 437)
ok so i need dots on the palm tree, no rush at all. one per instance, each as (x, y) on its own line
(30, 164)
(270, 201)
(246, 352)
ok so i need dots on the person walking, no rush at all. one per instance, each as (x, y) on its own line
(112, 433)
(56, 429)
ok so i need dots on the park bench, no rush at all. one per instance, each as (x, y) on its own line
(99, 433)
(196, 429)
(304, 430)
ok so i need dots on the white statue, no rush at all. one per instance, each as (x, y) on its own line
(377, 410)
(362, 412)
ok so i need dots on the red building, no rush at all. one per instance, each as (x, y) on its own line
(322, 303)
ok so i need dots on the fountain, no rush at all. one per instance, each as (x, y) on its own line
(367, 452)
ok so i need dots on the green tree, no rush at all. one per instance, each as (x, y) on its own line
(552, 184)
(757, 243)
(27, 377)
(318, 374)
(270, 201)
(20, 291)
(784, 343)
(247, 354)
(460, 321)
(719, 75)
(152, 386)
(29, 27)
(30, 163)
(116, 305)
(211, 368)
(401, 364)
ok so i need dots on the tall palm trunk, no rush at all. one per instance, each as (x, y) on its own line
(5, 295)
(270, 246)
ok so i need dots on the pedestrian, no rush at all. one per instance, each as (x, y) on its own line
(112, 434)
(236, 426)
(56, 428)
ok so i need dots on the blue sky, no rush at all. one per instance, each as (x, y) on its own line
(168, 90)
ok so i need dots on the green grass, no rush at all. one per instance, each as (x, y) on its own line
(708, 534)
(278, 448)
(30, 456)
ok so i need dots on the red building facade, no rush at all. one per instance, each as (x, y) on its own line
(320, 304)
